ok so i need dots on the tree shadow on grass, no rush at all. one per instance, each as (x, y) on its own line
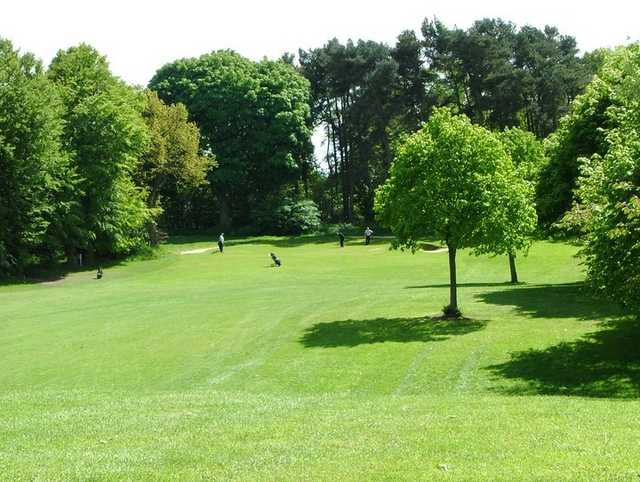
(460, 285)
(350, 333)
(570, 300)
(59, 273)
(603, 364)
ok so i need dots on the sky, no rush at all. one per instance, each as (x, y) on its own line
(139, 36)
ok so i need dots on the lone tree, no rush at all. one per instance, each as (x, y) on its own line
(451, 180)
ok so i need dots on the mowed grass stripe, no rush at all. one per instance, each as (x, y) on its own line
(213, 366)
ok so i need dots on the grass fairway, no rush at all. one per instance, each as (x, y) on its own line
(210, 366)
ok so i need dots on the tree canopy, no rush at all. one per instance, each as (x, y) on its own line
(105, 136)
(94, 166)
(254, 117)
(501, 76)
(520, 221)
(608, 196)
(455, 181)
(33, 166)
(581, 134)
(172, 163)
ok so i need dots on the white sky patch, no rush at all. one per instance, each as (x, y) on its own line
(140, 36)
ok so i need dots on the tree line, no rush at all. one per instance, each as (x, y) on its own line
(83, 158)
(367, 96)
(90, 165)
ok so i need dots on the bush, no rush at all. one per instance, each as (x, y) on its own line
(290, 217)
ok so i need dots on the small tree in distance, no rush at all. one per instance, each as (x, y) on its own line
(516, 222)
(453, 180)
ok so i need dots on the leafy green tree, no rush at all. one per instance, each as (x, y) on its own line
(449, 180)
(173, 160)
(582, 134)
(527, 153)
(353, 89)
(106, 137)
(364, 96)
(33, 166)
(476, 65)
(501, 76)
(609, 186)
(528, 156)
(414, 97)
(254, 117)
(551, 74)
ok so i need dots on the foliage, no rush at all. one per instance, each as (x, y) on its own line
(513, 230)
(441, 182)
(33, 167)
(609, 187)
(367, 95)
(254, 117)
(527, 153)
(501, 76)
(172, 167)
(106, 137)
(582, 134)
(173, 155)
(289, 217)
(528, 157)
(118, 162)
(453, 180)
(360, 92)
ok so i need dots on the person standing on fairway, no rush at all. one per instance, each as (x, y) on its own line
(221, 242)
(367, 235)
(341, 238)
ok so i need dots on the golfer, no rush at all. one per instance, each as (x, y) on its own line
(367, 235)
(221, 242)
(341, 239)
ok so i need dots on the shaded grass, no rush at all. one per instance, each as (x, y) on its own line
(381, 330)
(562, 300)
(604, 364)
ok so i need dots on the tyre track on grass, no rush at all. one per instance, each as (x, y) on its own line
(259, 357)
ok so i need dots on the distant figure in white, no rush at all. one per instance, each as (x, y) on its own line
(367, 235)
(221, 242)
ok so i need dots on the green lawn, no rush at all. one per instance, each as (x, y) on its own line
(210, 366)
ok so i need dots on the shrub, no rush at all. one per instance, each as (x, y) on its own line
(289, 217)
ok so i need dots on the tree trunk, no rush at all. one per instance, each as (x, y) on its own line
(453, 284)
(225, 216)
(153, 232)
(387, 158)
(72, 256)
(512, 268)
(152, 227)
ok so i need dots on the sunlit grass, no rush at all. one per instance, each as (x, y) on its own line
(210, 366)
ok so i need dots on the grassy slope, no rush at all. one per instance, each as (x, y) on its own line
(218, 366)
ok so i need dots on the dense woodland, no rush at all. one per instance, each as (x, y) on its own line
(527, 136)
